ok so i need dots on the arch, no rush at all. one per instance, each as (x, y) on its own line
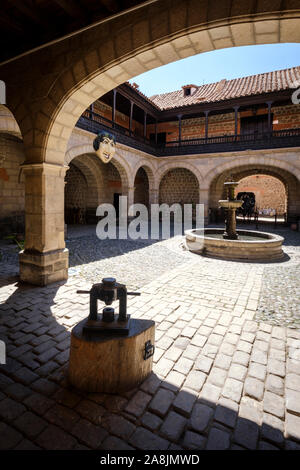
(118, 160)
(142, 186)
(270, 192)
(93, 176)
(82, 68)
(229, 32)
(251, 160)
(149, 169)
(184, 186)
(239, 169)
(103, 59)
(166, 167)
(8, 123)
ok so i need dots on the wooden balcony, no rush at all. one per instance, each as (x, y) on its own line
(94, 122)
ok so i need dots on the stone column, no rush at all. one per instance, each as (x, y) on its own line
(153, 196)
(44, 259)
(130, 195)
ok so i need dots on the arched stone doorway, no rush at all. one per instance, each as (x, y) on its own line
(12, 190)
(269, 193)
(141, 187)
(179, 185)
(89, 182)
(48, 106)
(290, 183)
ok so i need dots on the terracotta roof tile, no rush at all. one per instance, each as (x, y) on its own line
(229, 89)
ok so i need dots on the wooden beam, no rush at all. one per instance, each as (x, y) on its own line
(72, 8)
(28, 12)
(111, 5)
(11, 23)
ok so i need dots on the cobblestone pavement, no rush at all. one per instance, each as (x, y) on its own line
(221, 380)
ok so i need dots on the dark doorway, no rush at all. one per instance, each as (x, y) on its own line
(255, 124)
(116, 203)
(161, 138)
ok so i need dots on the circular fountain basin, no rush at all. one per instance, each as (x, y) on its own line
(251, 245)
(235, 204)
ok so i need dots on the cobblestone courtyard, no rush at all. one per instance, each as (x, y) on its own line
(227, 362)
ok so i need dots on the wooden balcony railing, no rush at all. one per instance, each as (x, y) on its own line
(94, 122)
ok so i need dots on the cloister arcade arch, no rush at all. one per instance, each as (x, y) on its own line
(239, 171)
(78, 70)
(179, 185)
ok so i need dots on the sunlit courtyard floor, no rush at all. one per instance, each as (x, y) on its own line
(227, 362)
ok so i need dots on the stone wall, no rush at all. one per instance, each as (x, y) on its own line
(179, 186)
(269, 192)
(76, 188)
(11, 188)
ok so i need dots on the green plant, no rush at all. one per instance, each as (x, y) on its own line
(13, 238)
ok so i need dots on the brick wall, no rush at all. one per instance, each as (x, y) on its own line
(179, 186)
(76, 188)
(12, 191)
(269, 191)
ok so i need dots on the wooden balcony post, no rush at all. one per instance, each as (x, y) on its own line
(236, 108)
(206, 124)
(145, 124)
(130, 117)
(269, 103)
(179, 127)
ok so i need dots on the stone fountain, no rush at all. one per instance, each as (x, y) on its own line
(234, 244)
(231, 205)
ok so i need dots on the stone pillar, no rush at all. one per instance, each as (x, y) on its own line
(153, 196)
(44, 259)
(130, 195)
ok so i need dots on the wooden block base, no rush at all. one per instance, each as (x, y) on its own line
(110, 364)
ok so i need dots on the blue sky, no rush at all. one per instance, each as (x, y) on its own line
(213, 66)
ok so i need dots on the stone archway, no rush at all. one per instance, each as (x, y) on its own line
(91, 182)
(270, 193)
(242, 170)
(75, 73)
(12, 191)
(141, 187)
(144, 184)
(179, 185)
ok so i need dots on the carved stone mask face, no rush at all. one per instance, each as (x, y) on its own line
(105, 147)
